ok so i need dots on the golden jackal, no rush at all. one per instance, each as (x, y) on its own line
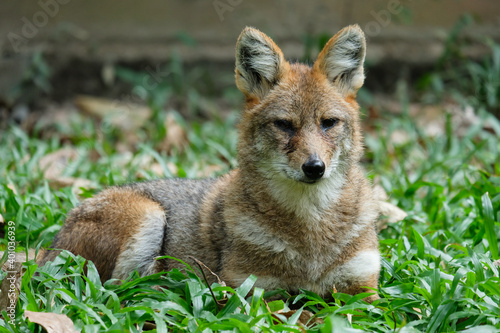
(298, 213)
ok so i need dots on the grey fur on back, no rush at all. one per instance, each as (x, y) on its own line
(181, 199)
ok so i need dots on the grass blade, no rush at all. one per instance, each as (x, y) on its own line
(489, 225)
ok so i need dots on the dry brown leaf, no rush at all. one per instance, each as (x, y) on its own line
(54, 119)
(399, 137)
(19, 258)
(148, 326)
(209, 170)
(430, 118)
(304, 317)
(157, 169)
(176, 137)
(11, 284)
(143, 162)
(123, 158)
(379, 192)
(390, 214)
(52, 322)
(25, 159)
(418, 310)
(53, 164)
(127, 116)
(9, 289)
(12, 187)
(74, 182)
(463, 118)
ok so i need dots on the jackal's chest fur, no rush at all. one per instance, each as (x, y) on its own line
(290, 251)
(318, 260)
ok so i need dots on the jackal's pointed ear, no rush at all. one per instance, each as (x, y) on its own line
(342, 60)
(259, 63)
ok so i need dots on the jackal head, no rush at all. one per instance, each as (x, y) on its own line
(300, 123)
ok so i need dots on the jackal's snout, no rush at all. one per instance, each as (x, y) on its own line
(313, 168)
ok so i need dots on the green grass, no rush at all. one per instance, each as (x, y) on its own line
(438, 273)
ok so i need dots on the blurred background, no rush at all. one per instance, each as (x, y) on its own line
(158, 76)
(53, 50)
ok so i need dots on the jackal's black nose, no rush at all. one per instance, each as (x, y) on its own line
(314, 168)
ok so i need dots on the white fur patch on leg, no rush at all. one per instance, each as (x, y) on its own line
(141, 249)
(359, 268)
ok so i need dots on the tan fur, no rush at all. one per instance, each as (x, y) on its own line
(271, 218)
(101, 228)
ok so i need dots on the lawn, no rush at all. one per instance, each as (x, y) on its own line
(438, 270)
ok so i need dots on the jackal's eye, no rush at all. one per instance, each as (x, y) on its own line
(285, 125)
(328, 123)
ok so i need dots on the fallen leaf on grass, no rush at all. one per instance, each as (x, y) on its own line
(209, 170)
(148, 326)
(389, 213)
(392, 212)
(431, 119)
(399, 137)
(418, 310)
(53, 166)
(379, 192)
(74, 182)
(176, 137)
(19, 259)
(11, 284)
(12, 187)
(304, 317)
(55, 119)
(157, 169)
(52, 322)
(464, 118)
(126, 116)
